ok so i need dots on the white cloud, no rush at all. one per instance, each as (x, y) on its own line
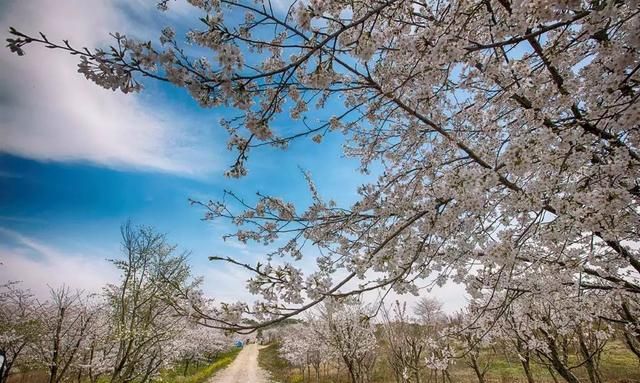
(39, 266)
(48, 111)
(226, 283)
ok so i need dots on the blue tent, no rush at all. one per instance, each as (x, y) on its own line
(239, 343)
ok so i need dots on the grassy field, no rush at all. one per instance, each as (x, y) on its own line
(279, 369)
(195, 373)
(198, 374)
(618, 366)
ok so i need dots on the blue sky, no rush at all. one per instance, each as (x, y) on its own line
(70, 174)
(76, 161)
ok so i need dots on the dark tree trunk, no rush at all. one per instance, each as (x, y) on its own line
(563, 371)
(53, 369)
(553, 375)
(477, 369)
(186, 367)
(558, 360)
(590, 360)
(5, 374)
(527, 370)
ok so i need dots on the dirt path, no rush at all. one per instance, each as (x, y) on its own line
(244, 368)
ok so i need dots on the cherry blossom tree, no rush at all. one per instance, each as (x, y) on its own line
(473, 342)
(551, 328)
(629, 309)
(98, 355)
(504, 134)
(19, 327)
(339, 335)
(144, 323)
(66, 320)
(346, 328)
(197, 344)
(293, 348)
(300, 346)
(404, 338)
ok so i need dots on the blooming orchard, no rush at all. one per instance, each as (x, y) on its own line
(506, 132)
(340, 334)
(128, 333)
(302, 346)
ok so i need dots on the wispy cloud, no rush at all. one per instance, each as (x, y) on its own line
(49, 112)
(40, 266)
(226, 283)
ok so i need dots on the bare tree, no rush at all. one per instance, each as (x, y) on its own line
(429, 311)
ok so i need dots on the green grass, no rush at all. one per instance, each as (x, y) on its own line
(195, 374)
(618, 365)
(199, 374)
(279, 369)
